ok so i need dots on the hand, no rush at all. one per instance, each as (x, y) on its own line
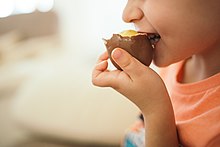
(145, 88)
(137, 82)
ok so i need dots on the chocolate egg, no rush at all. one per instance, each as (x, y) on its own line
(137, 44)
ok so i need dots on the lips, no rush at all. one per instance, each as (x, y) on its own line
(153, 37)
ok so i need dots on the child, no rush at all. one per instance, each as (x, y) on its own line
(182, 105)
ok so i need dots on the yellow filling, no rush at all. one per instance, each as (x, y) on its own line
(128, 33)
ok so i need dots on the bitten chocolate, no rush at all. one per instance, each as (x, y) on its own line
(137, 44)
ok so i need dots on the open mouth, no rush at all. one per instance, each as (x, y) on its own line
(154, 38)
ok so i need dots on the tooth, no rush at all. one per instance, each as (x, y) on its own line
(151, 36)
(151, 41)
(156, 39)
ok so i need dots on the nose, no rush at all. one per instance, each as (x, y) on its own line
(132, 12)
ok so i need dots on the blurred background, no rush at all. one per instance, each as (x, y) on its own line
(47, 51)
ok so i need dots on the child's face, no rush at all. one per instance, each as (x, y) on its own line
(186, 27)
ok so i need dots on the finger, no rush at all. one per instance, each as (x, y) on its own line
(128, 63)
(99, 68)
(102, 77)
(102, 57)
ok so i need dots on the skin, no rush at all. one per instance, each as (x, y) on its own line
(189, 31)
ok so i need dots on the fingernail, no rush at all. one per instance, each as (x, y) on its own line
(116, 53)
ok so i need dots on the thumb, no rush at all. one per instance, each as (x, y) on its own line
(128, 63)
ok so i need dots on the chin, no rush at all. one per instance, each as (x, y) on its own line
(160, 63)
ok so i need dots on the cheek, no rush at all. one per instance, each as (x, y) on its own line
(182, 32)
(174, 49)
(161, 16)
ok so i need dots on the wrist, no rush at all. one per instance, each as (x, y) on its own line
(159, 103)
(160, 127)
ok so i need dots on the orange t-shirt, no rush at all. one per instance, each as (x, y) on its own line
(196, 107)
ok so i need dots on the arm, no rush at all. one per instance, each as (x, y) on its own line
(160, 127)
(144, 88)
